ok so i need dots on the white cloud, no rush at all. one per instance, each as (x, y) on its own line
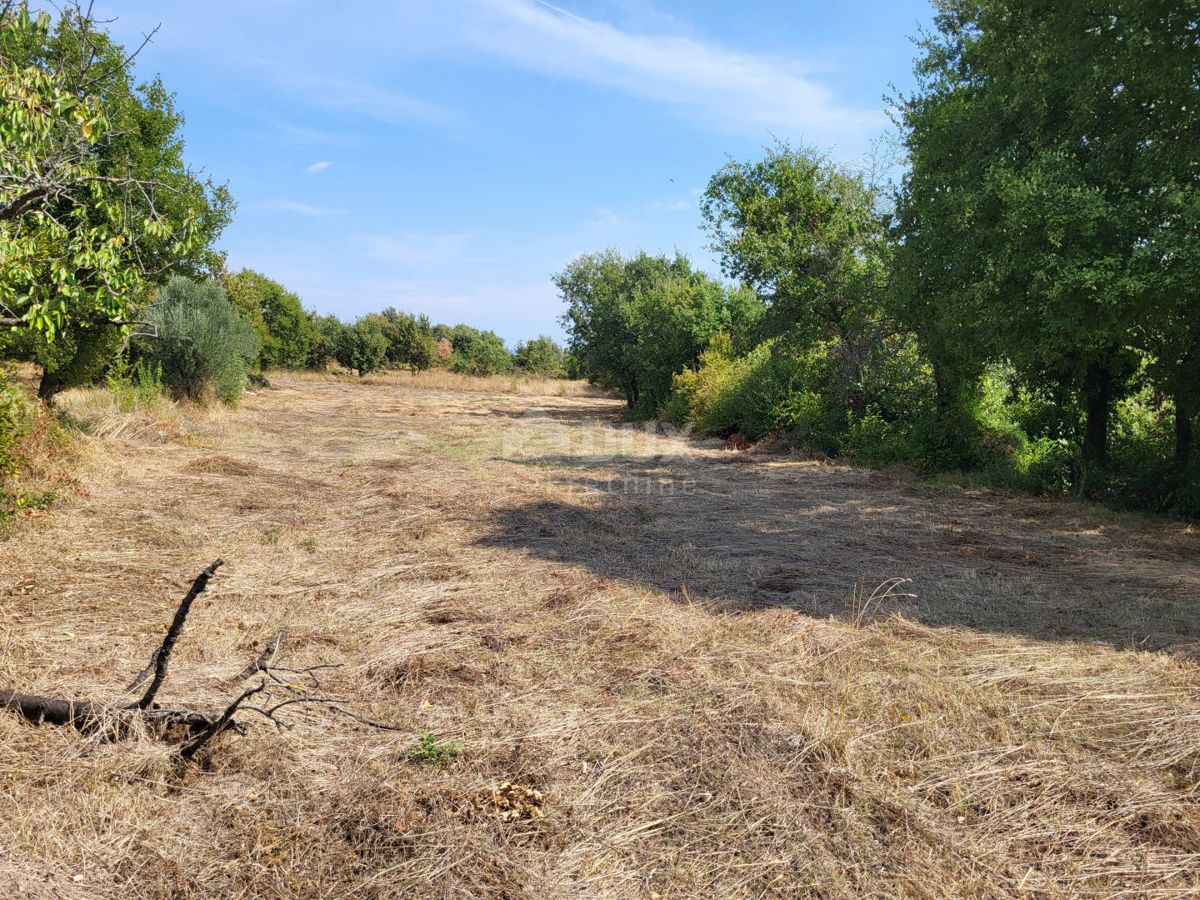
(303, 209)
(727, 88)
(319, 166)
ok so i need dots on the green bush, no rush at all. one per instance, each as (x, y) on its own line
(361, 346)
(475, 352)
(541, 356)
(134, 385)
(204, 348)
(31, 443)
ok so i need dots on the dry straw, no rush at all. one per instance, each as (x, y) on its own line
(699, 692)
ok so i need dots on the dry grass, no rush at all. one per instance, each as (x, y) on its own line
(668, 666)
(445, 380)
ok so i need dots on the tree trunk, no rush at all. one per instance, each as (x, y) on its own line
(50, 385)
(1098, 396)
(1185, 442)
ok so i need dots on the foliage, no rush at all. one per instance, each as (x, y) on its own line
(30, 443)
(475, 352)
(541, 356)
(410, 340)
(97, 203)
(361, 346)
(634, 324)
(328, 330)
(134, 385)
(285, 330)
(1061, 139)
(204, 347)
(428, 749)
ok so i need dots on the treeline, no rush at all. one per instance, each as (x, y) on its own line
(1021, 306)
(109, 270)
(108, 256)
(211, 336)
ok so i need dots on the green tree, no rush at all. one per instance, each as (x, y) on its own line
(361, 346)
(411, 344)
(541, 356)
(633, 324)
(1052, 183)
(809, 237)
(283, 325)
(203, 346)
(330, 334)
(475, 352)
(97, 204)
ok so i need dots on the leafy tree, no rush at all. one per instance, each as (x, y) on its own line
(204, 346)
(411, 344)
(541, 356)
(809, 237)
(284, 327)
(97, 203)
(329, 332)
(475, 352)
(361, 346)
(1052, 184)
(635, 323)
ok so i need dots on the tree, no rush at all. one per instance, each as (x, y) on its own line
(808, 236)
(361, 346)
(541, 356)
(1052, 180)
(203, 346)
(284, 327)
(410, 339)
(329, 331)
(96, 204)
(633, 324)
(475, 352)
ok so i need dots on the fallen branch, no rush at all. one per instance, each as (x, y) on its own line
(199, 728)
(162, 655)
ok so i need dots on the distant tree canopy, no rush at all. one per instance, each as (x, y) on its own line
(285, 329)
(475, 352)
(361, 346)
(541, 356)
(633, 324)
(97, 204)
(410, 340)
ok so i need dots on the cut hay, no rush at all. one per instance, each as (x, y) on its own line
(695, 692)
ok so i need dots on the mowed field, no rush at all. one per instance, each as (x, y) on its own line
(674, 670)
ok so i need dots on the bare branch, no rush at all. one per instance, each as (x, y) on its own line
(163, 655)
(221, 723)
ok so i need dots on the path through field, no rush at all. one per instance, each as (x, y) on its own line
(722, 674)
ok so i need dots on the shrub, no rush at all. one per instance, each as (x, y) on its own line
(410, 343)
(204, 348)
(475, 352)
(31, 443)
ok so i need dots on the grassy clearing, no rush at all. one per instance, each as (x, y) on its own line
(444, 380)
(630, 666)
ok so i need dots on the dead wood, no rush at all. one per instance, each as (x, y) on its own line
(198, 728)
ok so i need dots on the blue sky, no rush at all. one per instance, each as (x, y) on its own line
(448, 156)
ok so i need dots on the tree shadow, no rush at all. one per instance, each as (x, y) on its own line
(745, 534)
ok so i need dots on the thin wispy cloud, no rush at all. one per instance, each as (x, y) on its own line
(302, 209)
(373, 101)
(415, 249)
(319, 166)
(727, 88)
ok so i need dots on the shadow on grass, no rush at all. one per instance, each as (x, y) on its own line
(755, 534)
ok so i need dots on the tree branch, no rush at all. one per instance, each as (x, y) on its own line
(163, 655)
